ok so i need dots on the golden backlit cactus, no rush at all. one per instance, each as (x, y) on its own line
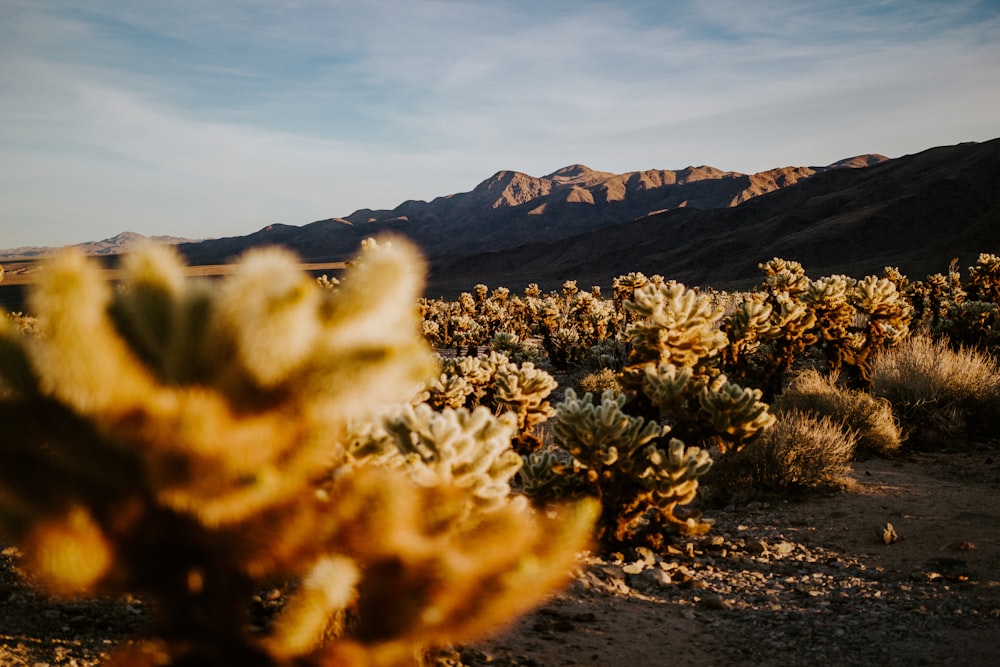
(470, 449)
(186, 441)
(676, 325)
(495, 382)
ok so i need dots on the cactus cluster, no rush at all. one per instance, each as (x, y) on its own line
(678, 348)
(495, 382)
(966, 311)
(639, 474)
(189, 441)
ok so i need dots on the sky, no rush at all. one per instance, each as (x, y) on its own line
(203, 118)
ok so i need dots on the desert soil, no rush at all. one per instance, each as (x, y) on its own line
(785, 582)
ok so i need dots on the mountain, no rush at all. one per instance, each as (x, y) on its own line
(700, 225)
(512, 208)
(113, 246)
(917, 213)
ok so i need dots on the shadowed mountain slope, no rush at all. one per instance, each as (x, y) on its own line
(511, 208)
(917, 212)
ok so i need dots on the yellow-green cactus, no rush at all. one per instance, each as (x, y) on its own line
(467, 449)
(677, 326)
(735, 414)
(639, 475)
(170, 439)
(497, 383)
(784, 276)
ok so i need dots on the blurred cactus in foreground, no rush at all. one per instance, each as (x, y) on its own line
(187, 441)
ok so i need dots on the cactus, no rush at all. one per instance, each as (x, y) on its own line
(746, 329)
(974, 323)
(169, 439)
(495, 382)
(734, 413)
(677, 326)
(783, 276)
(984, 278)
(470, 450)
(638, 474)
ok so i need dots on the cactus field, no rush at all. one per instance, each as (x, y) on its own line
(276, 470)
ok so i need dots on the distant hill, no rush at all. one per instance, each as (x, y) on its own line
(916, 212)
(511, 208)
(701, 225)
(113, 246)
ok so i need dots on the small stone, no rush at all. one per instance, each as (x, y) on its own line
(757, 547)
(634, 568)
(647, 555)
(654, 578)
(783, 548)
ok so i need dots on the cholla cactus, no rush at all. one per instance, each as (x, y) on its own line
(677, 326)
(167, 439)
(783, 276)
(746, 329)
(470, 450)
(734, 413)
(885, 313)
(550, 476)
(975, 323)
(638, 474)
(327, 283)
(984, 278)
(677, 350)
(497, 383)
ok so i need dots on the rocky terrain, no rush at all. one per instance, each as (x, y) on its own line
(901, 568)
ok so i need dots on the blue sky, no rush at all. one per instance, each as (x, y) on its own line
(203, 118)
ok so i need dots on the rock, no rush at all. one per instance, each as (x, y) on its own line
(647, 555)
(783, 548)
(634, 568)
(652, 579)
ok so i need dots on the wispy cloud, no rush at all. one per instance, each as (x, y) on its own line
(207, 119)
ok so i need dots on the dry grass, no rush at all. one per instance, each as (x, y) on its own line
(598, 382)
(871, 418)
(800, 452)
(938, 391)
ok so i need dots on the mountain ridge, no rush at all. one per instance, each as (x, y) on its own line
(119, 243)
(916, 212)
(700, 224)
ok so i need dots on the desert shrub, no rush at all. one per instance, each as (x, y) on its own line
(185, 441)
(936, 390)
(801, 452)
(599, 382)
(869, 417)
